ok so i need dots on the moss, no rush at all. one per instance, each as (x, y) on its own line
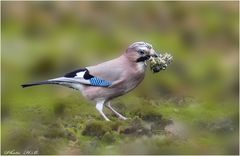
(159, 127)
(136, 127)
(149, 114)
(160, 62)
(54, 131)
(59, 109)
(110, 137)
(70, 135)
(96, 128)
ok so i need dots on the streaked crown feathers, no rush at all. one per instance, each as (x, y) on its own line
(140, 44)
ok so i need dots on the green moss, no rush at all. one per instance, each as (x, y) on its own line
(96, 128)
(110, 137)
(59, 109)
(54, 131)
(150, 115)
(135, 127)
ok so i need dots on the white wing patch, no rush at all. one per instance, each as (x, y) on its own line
(80, 74)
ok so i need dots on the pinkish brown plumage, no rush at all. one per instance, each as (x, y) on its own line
(108, 80)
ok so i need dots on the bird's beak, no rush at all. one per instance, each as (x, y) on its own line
(153, 54)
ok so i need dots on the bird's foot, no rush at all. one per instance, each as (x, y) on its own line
(107, 119)
(123, 117)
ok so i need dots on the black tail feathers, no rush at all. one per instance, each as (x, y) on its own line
(35, 84)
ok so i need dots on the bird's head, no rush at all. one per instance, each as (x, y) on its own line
(140, 52)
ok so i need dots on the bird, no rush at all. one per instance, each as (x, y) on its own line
(106, 81)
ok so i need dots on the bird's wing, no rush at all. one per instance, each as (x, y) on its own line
(114, 71)
(106, 74)
(83, 76)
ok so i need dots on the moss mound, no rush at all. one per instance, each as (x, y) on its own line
(96, 128)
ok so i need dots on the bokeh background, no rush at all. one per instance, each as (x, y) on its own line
(191, 108)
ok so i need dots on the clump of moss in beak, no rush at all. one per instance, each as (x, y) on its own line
(160, 62)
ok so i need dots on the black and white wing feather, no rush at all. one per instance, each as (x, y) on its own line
(77, 77)
(83, 76)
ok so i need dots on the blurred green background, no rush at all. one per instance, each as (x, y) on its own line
(191, 108)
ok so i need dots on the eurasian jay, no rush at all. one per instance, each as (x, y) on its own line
(105, 81)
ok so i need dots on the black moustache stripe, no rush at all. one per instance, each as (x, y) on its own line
(143, 58)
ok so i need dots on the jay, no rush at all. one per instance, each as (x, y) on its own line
(105, 81)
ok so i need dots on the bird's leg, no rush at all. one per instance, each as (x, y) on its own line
(114, 111)
(99, 107)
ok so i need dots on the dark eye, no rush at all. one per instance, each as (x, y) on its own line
(141, 52)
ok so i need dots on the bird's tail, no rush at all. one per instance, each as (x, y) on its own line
(37, 83)
(58, 81)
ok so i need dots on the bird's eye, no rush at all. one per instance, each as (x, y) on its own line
(141, 52)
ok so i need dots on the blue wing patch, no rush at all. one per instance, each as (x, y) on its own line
(83, 76)
(95, 81)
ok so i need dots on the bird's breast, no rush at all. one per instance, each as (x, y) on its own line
(133, 81)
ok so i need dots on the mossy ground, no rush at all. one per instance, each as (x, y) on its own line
(153, 127)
